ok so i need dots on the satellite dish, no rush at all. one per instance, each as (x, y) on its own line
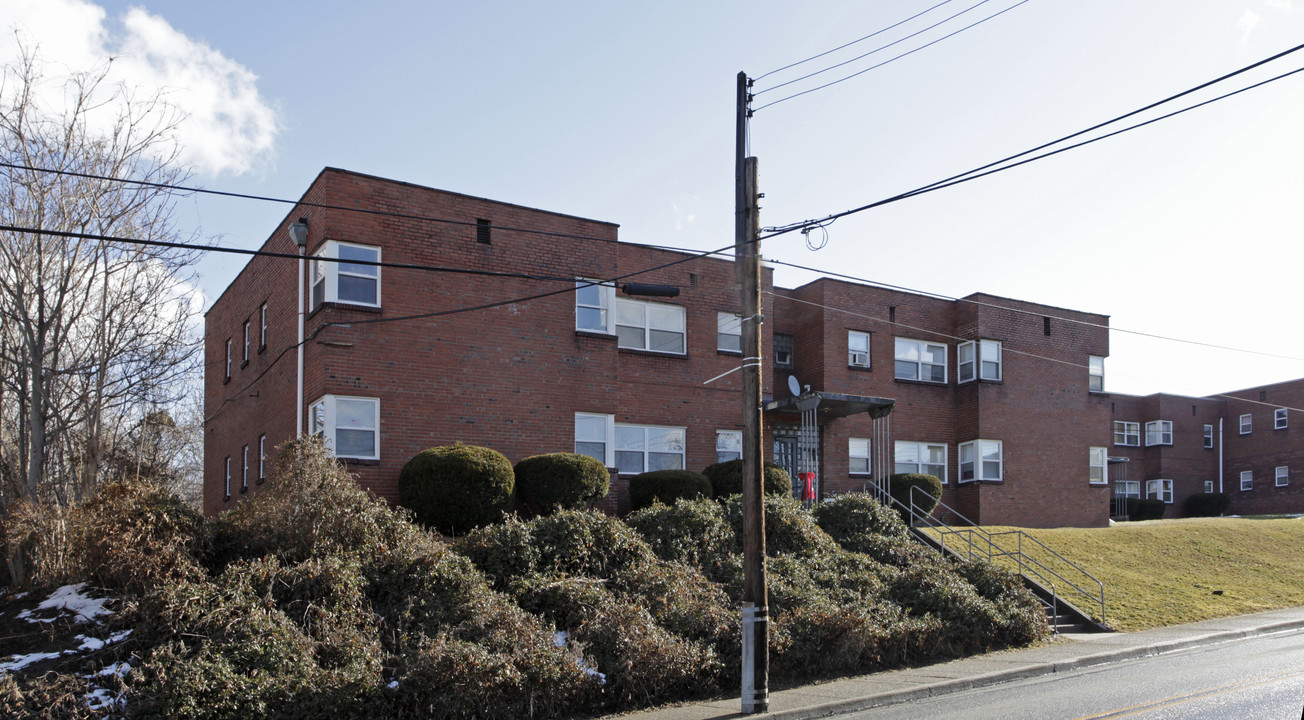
(794, 387)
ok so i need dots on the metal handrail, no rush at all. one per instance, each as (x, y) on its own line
(987, 548)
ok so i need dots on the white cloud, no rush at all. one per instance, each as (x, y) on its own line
(229, 128)
(1249, 20)
(1278, 4)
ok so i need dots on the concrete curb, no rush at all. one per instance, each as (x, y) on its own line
(1029, 671)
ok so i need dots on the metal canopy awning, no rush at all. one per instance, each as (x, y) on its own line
(831, 406)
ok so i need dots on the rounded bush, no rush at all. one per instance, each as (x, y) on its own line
(567, 480)
(1207, 504)
(727, 479)
(903, 483)
(856, 521)
(456, 488)
(1148, 509)
(667, 486)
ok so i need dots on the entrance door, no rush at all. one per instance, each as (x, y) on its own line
(785, 456)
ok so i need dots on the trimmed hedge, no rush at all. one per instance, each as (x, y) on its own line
(901, 484)
(1148, 509)
(457, 488)
(727, 479)
(667, 486)
(1207, 504)
(566, 480)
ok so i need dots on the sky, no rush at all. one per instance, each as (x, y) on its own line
(1185, 232)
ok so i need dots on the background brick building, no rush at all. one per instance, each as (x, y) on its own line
(507, 346)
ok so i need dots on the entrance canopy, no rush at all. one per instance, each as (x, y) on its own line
(817, 408)
(831, 406)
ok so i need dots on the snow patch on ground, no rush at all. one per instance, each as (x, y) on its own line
(72, 599)
(559, 639)
(18, 662)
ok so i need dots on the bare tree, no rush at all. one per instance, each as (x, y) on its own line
(94, 335)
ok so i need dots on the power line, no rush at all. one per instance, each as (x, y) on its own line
(943, 21)
(853, 42)
(894, 59)
(975, 174)
(297, 203)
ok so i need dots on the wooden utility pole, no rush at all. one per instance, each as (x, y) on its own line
(747, 259)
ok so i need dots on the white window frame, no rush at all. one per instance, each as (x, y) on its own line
(1279, 419)
(596, 429)
(1208, 486)
(858, 349)
(244, 468)
(977, 456)
(227, 483)
(246, 343)
(1095, 373)
(647, 448)
(262, 457)
(1127, 489)
(1208, 436)
(1161, 488)
(323, 419)
(858, 456)
(646, 326)
(228, 360)
(1247, 480)
(911, 354)
(1159, 432)
(906, 454)
(1247, 423)
(1128, 435)
(262, 323)
(783, 356)
(590, 290)
(600, 428)
(1098, 461)
(728, 332)
(974, 360)
(1281, 476)
(728, 445)
(326, 273)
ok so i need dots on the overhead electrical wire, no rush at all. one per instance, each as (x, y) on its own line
(853, 42)
(893, 59)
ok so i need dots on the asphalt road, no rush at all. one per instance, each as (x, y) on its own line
(1258, 678)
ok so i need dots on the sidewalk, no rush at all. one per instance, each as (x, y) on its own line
(1070, 653)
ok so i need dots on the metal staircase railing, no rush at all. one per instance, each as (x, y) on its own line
(975, 542)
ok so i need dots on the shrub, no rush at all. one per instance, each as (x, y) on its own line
(789, 527)
(857, 521)
(586, 542)
(690, 531)
(312, 507)
(502, 552)
(727, 479)
(456, 488)
(902, 483)
(1207, 504)
(567, 480)
(133, 535)
(667, 486)
(1148, 509)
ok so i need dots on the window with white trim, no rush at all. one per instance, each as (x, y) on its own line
(352, 280)
(1247, 423)
(981, 460)
(349, 425)
(1247, 479)
(857, 349)
(1127, 433)
(1162, 489)
(262, 458)
(1095, 373)
(1282, 475)
(920, 360)
(980, 357)
(642, 325)
(593, 436)
(1279, 419)
(1208, 436)
(593, 306)
(728, 445)
(244, 469)
(858, 456)
(245, 358)
(919, 457)
(1098, 460)
(1159, 432)
(728, 332)
(262, 325)
(227, 375)
(1208, 486)
(1127, 489)
(643, 448)
(783, 351)
(226, 484)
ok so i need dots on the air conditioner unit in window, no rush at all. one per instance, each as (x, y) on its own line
(859, 358)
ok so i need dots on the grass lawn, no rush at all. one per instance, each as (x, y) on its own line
(1166, 572)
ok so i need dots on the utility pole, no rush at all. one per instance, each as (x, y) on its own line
(747, 261)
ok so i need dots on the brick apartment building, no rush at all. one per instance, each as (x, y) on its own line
(511, 347)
